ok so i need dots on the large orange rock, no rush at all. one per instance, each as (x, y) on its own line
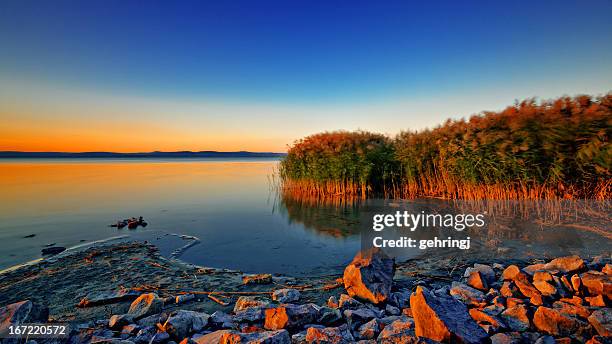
(566, 264)
(597, 283)
(572, 310)
(370, 276)
(444, 319)
(554, 322)
(527, 289)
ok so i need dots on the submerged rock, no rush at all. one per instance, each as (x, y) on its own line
(444, 319)
(370, 276)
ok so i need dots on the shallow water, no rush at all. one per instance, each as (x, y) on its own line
(229, 206)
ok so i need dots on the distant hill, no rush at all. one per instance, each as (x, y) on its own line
(101, 155)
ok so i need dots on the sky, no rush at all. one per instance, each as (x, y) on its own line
(130, 76)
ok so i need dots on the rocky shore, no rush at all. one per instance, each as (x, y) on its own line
(129, 294)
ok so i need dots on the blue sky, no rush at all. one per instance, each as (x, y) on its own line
(303, 66)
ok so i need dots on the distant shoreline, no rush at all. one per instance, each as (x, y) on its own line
(113, 155)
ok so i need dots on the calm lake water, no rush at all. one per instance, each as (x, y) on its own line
(229, 206)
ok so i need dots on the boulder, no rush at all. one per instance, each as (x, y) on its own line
(400, 299)
(482, 318)
(527, 289)
(516, 317)
(553, 322)
(250, 315)
(145, 304)
(467, 294)
(369, 276)
(286, 295)
(575, 300)
(444, 319)
(607, 269)
(390, 310)
(545, 288)
(508, 289)
(335, 335)
(332, 302)
(597, 283)
(542, 276)
(290, 316)
(182, 323)
(596, 301)
(601, 320)
(566, 265)
(347, 302)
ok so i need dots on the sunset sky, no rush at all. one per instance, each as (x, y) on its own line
(250, 75)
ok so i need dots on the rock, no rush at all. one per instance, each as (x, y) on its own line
(328, 316)
(370, 329)
(251, 315)
(332, 302)
(52, 250)
(576, 282)
(245, 302)
(527, 289)
(299, 338)
(106, 297)
(22, 312)
(566, 283)
(506, 338)
(145, 335)
(516, 318)
(443, 319)
(153, 320)
(601, 320)
(483, 318)
(182, 323)
(257, 279)
(510, 273)
(475, 280)
(347, 302)
(159, 338)
(400, 299)
(607, 269)
(130, 329)
(144, 305)
(467, 294)
(542, 276)
(546, 340)
(234, 337)
(399, 331)
(597, 283)
(513, 301)
(118, 321)
(286, 295)
(221, 319)
(290, 316)
(184, 298)
(533, 268)
(545, 288)
(575, 300)
(369, 276)
(508, 289)
(596, 301)
(335, 335)
(357, 317)
(392, 310)
(566, 265)
(553, 322)
(599, 340)
(572, 310)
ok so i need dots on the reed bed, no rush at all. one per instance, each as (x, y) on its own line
(556, 149)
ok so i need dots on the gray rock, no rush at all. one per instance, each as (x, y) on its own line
(347, 302)
(286, 295)
(357, 317)
(182, 323)
(220, 319)
(145, 335)
(506, 338)
(250, 315)
(546, 340)
(400, 299)
(467, 294)
(229, 336)
(159, 338)
(329, 316)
